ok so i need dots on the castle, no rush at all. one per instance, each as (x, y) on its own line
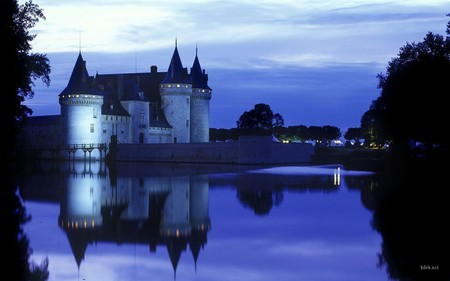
(134, 108)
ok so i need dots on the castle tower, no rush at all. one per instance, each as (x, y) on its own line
(80, 209)
(81, 109)
(176, 217)
(138, 106)
(199, 202)
(199, 214)
(175, 91)
(201, 95)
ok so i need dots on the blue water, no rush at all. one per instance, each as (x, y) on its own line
(234, 223)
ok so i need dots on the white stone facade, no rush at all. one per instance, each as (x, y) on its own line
(136, 108)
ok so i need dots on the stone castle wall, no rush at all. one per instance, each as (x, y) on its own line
(248, 150)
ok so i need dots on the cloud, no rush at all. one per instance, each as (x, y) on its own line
(303, 57)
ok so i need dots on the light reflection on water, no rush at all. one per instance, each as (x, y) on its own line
(200, 222)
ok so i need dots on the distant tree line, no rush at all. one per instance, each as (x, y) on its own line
(262, 121)
(322, 135)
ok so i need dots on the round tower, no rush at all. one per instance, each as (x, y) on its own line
(199, 203)
(80, 206)
(201, 95)
(175, 91)
(81, 112)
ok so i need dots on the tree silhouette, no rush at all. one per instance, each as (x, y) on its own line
(260, 118)
(323, 135)
(354, 134)
(21, 69)
(411, 105)
(22, 66)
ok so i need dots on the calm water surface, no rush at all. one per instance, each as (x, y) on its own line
(201, 222)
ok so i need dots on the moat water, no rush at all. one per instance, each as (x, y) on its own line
(136, 221)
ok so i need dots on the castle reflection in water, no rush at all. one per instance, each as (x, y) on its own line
(151, 204)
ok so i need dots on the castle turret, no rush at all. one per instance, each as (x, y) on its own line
(175, 91)
(201, 95)
(81, 105)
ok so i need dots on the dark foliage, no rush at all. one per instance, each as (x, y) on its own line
(21, 68)
(411, 105)
(260, 117)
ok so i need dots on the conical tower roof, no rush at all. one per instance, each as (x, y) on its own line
(198, 78)
(176, 73)
(175, 246)
(79, 81)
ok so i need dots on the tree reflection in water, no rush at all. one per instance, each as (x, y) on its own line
(16, 264)
(411, 212)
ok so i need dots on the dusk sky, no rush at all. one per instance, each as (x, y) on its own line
(313, 62)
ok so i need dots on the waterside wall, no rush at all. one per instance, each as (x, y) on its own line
(247, 150)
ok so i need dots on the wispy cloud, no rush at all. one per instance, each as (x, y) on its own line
(254, 51)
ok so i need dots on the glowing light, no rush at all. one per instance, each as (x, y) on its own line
(178, 85)
(337, 176)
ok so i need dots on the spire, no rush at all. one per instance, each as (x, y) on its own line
(79, 41)
(199, 79)
(198, 240)
(176, 73)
